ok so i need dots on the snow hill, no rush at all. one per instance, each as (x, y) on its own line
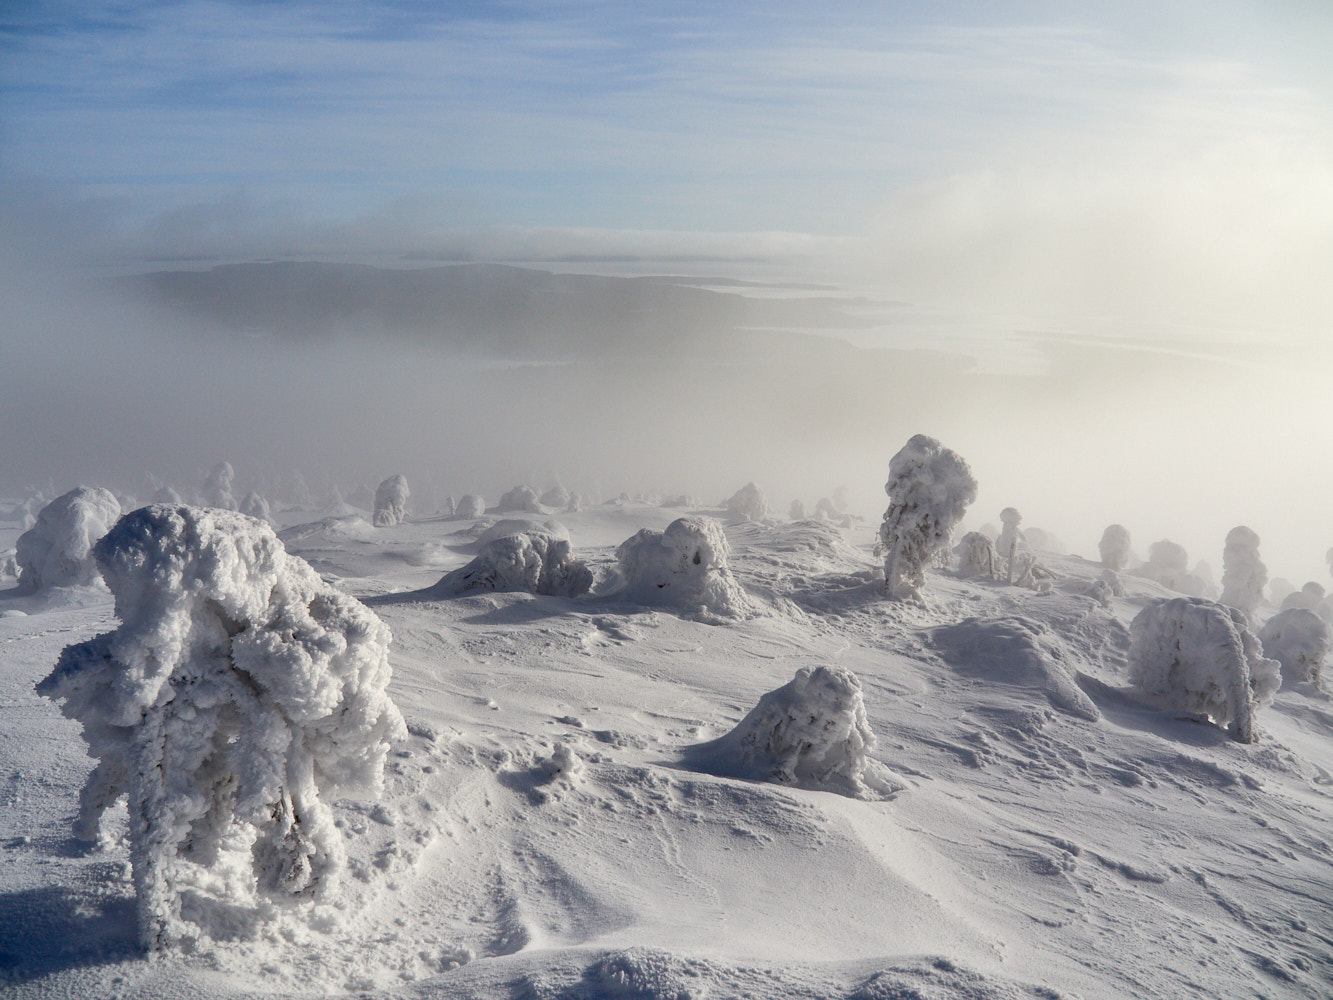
(551, 828)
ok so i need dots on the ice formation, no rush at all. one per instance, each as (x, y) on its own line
(534, 561)
(217, 487)
(239, 693)
(470, 507)
(1243, 572)
(747, 504)
(57, 551)
(1200, 656)
(1298, 639)
(253, 505)
(391, 502)
(811, 733)
(1114, 547)
(929, 489)
(684, 566)
(977, 556)
(520, 498)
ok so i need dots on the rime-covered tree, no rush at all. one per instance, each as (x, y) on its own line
(391, 502)
(929, 489)
(1243, 572)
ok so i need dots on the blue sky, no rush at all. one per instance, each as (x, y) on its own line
(979, 133)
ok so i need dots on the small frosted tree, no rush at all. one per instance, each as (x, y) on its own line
(1298, 639)
(253, 505)
(217, 487)
(1168, 564)
(1010, 539)
(238, 694)
(1243, 572)
(929, 489)
(470, 507)
(391, 502)
(57, 551)
(1114, 547)
(796, 512)
(977, 557)
(520, 498)
(747, 504)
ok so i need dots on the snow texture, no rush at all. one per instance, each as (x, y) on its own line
(811, 733)
(1298, 639)
(929, 489)
(239, 693)
(747, 504)
(217, 487)
(471, 506)
(520, 498)
(1243, 572)
(977, 557)
(253, 505)
(1114, 547)
(1199, 656)
(684, 567)
(533, 561)
(391, 502)
(57, 551)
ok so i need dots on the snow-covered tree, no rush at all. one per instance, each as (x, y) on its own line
(1168, 564)
(471, 506)
(217, 487)
(1199, 656)
(535, 561)
(520, 498)
(825, 510)
(796, 512)
(929, 489)
(1308, 597)
(165, 494)
(238, 695)
(684, 566)
(1243, 572)
(747, 504)
(1298, 639)
(977, 556)
(391, 502)
(1114, 547)
(57, 551)
(1010, 539)
(557, 496)
(253, 505)
(575, 503)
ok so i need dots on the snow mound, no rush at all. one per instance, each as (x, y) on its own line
(57, 551)
(929, 489)
(239, 693)
(1199, 656)
(811, 733)
(520, 498)
(522, 525)
(533, 561)
(747, 504)
(470, 507)
(1298, 639)
(1019, 652)
(390, 502)
(684, 567)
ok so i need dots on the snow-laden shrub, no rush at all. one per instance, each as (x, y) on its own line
(253, 505)
(796, 512)
(1243, 572)
(534, 561)
(238, 695)
(747, 504)
(811, 733)
(217, 487)
(1308, 597)
(390, 502)
(521, 498)
(1298, 639)
(977, 557)
(685, 567)
(470, 507)
(1114, 547)
(929, 489)
(557, 496)
(1199, 656)
(57, 551)
(1168, 564)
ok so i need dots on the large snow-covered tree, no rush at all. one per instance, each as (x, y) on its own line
(930, 488)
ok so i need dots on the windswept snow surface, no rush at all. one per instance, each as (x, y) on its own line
(544, 831)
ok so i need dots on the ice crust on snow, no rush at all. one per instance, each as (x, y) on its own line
(1114, 547)
(534, 561)
(239, 694)
(1298, 639)
(1243, 572)
(811, 733)
(1196, 655)
(57, 551)
(390, 502)
(684, 567)
(930, 488)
